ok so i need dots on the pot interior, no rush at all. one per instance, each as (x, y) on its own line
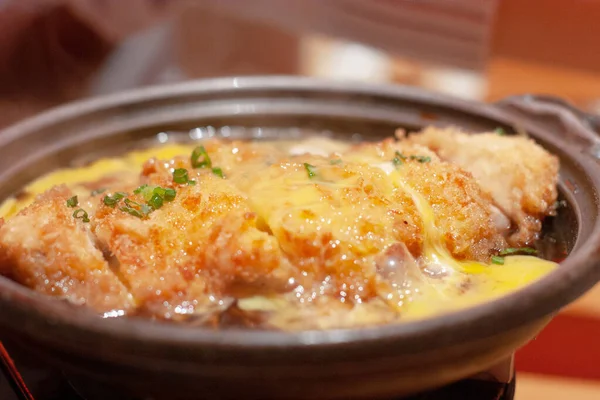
(559, 234)
(81, 133)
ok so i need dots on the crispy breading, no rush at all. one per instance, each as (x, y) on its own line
(519, 174)
(461, 209)
(203, 243)
(46, 249)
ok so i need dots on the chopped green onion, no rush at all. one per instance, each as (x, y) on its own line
(498, 260)
(97, 191)
(72, 202)
(200, 158)
(132, 211)
(398, 159)
(131, 203)
(180, 175)
(191, 182)
(136, 209)
(218, 171)
(80, 213)
(522, 250)
(112, 201)
(169, 194)
(140, 189)
(335, 162)
(147, 191)
(159, 191)
(421, 159)
(310, 169)
(500, 131)
(156, 201)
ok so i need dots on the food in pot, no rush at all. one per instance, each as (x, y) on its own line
(308, 234)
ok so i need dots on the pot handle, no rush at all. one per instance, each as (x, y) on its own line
(557, 115)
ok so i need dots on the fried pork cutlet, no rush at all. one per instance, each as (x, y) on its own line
(205, 242)
(45, 248)
(462, 211)
(239, 219)
(519, 174)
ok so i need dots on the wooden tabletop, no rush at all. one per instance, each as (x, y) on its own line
(538, 387)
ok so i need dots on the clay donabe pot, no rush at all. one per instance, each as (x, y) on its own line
(143, 357)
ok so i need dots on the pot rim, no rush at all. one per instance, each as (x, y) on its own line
(579, 272)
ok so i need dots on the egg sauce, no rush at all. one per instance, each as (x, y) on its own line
(463, 284)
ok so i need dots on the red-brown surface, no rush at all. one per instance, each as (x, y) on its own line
(564, 360)
(567, 347)
(554, 32)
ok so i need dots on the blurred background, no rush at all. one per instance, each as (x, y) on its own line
(55, 51)
(52, 51)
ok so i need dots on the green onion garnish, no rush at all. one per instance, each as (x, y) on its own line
(140, 189)
(200, 158)
(136, 209)
(169, 194)
(72, 202)
(97, 191)
(166, 194)
(146, 191)
(112, 201)
(498, 260)
(80, 213)
(159, 191)
(132, 211)
(156, 201)
(218, 171)
(421, 159)
(310, 169)
(180, 175)
(131, 203)
(500, 131)
(513, 250)
(398, 159)
(335, 162)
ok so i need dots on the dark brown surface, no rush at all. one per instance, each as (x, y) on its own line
(22, 378)
(47, 57)
(144, 357)
(50, 55)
